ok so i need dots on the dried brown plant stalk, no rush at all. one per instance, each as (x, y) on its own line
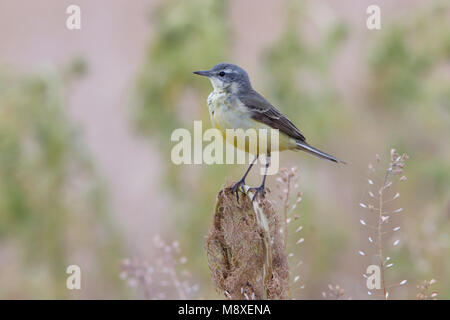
(245, 250)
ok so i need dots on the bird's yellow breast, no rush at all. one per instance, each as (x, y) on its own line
(227, 112)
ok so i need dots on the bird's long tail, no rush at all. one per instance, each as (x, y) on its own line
(302, 145)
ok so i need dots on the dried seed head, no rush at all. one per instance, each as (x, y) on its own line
(377, 157)
(393, 154)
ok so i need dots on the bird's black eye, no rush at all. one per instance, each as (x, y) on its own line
(221, 73)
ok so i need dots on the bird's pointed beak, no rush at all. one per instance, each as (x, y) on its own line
(206, 73)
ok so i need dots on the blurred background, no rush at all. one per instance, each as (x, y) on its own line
(86, 117)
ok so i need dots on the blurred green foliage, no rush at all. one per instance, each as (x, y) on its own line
(409, 61)
(299, 79)
(183, 44)
(409, 92)
(299, 70)
(52, 207)
(188, 35)
(407, 80)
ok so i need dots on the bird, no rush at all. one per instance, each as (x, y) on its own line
(234, 104)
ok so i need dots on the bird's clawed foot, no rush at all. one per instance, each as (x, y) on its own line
(235, 188)
(258, 190)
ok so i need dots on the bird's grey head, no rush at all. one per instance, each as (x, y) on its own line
(227, 77)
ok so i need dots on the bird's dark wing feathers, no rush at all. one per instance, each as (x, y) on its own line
(263, 111)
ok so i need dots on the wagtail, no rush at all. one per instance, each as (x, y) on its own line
(233, 104)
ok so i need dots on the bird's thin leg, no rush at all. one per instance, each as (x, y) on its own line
(260, 190)
(235, 187)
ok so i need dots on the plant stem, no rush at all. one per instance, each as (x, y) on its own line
(380, 221)
(286, 207)
(380, 246)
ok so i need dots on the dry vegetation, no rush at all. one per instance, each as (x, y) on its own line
(382, 213)
(400, 98)
(246, 252)
(247, 241)
(162, 278)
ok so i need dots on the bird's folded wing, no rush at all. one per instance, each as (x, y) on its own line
(262, 111)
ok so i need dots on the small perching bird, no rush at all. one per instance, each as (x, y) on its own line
(233, 104)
